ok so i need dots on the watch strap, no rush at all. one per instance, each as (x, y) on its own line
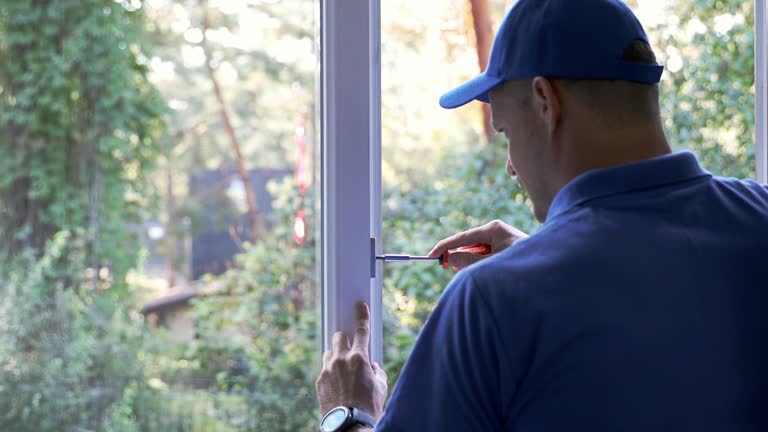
(362, 417)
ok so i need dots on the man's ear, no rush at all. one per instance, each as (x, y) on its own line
(546, 102)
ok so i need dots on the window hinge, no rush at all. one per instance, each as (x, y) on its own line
(373, 257)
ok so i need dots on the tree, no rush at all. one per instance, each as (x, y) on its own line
(79, 122)
(78, 133)
(234, 106)
(257, 223)
(483, 26)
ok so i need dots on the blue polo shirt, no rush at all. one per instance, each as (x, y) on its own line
(641, 304)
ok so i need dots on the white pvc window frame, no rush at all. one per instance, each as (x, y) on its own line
(761, 90)
(350, 94)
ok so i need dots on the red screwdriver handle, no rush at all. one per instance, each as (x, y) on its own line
(479, 249)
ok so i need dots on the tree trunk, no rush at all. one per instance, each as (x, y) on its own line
(94, 218)
(481, 20)
(256, 223)
(170, 210)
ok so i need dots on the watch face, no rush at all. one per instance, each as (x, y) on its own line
(334, 419)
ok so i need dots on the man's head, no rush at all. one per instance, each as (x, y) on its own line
(556, 127)
(573, 86)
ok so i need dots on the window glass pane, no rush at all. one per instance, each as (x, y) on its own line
(708, 87)
(443, 175)
(158, 216)
(440, 176)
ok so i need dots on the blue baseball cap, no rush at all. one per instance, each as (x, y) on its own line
(566, 39)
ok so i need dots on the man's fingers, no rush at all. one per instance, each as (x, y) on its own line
(327, 358)
(340, 344)
(466, 238)
(363, 328)
(460, 260)
(378, 371)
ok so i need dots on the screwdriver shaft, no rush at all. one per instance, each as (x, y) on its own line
(478, 249)
(394, 258)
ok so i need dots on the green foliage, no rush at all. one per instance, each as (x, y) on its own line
(65, 356)
(120, 415)
(708, 105)
(79, 122)
(78, 133)
(477, 191)
(263, 318)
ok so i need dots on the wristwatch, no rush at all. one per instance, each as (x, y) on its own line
(342, 418)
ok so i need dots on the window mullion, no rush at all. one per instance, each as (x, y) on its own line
(761, 90)
(351, 158)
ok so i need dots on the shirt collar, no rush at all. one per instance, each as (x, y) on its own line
(649, 173)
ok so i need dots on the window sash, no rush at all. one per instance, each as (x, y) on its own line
(350, 94)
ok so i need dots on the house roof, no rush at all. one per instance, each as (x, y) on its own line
(169, 301)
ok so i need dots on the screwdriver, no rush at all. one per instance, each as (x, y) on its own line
(443, 260)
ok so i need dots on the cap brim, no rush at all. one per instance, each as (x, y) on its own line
(474, 89)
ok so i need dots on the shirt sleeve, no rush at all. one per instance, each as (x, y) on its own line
(453, 377)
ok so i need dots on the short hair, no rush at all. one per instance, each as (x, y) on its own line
(617, 101)
(638, 51)
(621, 101)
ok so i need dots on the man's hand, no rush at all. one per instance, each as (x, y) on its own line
(495, 233)
(349, 377)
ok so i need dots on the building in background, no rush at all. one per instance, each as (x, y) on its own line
(172, 312)
(221, 224)
(218, 227)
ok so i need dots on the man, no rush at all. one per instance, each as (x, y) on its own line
(641, 303)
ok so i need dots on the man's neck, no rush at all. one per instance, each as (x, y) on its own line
(613, 148)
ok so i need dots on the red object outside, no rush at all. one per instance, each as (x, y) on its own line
(299, 227)
(302, 182)
(302, 170)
